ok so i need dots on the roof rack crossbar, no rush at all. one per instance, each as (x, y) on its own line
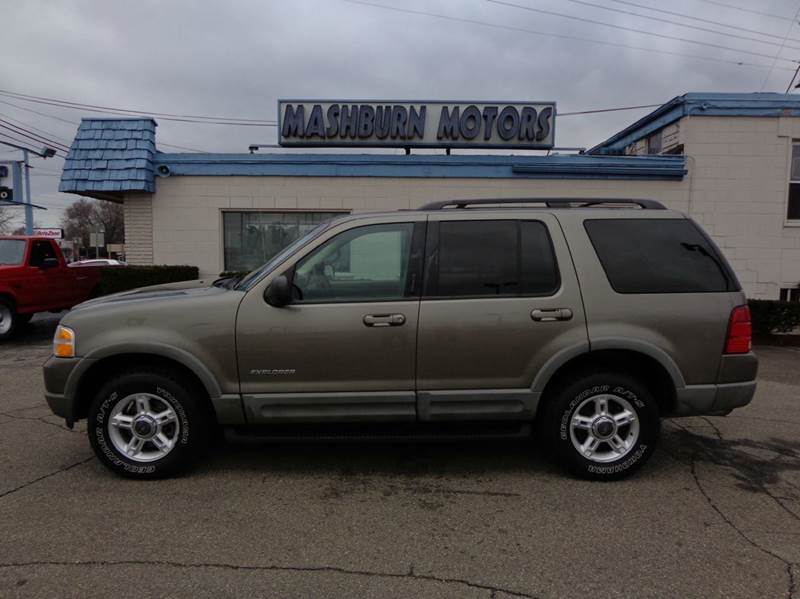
(548, 202)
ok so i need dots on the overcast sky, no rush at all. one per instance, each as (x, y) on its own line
(237, 59)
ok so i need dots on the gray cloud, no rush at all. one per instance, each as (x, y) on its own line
(237, 58)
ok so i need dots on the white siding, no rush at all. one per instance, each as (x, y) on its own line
(138, 209)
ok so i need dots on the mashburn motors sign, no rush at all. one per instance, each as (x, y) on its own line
(417, 124)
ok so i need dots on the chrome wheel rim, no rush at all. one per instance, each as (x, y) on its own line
(5, 319)
(604, 428)
(143, 427)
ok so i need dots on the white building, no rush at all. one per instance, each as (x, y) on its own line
(725, 159)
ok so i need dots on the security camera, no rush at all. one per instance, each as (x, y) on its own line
(48, 152)
(163, 170)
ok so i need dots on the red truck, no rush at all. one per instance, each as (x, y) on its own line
(34, 277)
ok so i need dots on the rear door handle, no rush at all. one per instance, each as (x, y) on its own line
(384, 320)
(551, 315)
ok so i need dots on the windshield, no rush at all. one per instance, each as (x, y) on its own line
(12, 251)
(250, 279)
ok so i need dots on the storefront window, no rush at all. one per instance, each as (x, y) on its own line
(252, 238)
(793, 207)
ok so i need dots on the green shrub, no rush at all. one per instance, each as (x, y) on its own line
(772, 316)
(116, 279)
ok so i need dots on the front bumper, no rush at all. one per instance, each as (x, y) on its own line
(57, 373)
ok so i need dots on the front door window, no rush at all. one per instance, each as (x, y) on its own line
(363, 264)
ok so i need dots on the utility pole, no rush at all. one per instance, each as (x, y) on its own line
(16, 181)
(28, 205)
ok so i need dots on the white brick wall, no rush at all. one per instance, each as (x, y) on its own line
(739, 169)
(187, 211)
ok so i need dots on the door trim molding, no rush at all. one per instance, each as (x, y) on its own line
(477, 404)
(370, 406)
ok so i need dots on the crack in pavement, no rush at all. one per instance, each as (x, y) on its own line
(272, 568)
(45, 476)
(776, 420)
(23, 408)
(778, 500)
(789, 566)
(41, 419)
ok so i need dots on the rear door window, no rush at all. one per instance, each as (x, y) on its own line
(658, 256)
(490, 258)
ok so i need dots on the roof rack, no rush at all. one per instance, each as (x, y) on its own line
(548, 202)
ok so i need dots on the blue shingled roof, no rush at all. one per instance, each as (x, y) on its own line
(701, 104)
(111, 156)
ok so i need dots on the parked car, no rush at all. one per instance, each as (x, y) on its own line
(34, 278)
(582, 321)
(99, 262)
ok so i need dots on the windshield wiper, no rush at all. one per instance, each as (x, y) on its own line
(228, 282)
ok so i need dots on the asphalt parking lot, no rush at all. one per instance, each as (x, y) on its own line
(716, 513)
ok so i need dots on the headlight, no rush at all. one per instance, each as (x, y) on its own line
(64, 342)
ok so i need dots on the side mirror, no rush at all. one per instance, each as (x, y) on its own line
(49, 263)
(279, 292)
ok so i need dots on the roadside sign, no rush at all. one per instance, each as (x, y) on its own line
(51, 233)
(97, 239)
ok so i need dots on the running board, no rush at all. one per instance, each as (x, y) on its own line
(372, 432)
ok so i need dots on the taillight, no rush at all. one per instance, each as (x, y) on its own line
(740, 331)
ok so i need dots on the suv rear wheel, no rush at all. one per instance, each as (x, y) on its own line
(147, 424)
(601, 426)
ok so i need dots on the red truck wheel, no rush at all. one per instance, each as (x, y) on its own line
(9, 319)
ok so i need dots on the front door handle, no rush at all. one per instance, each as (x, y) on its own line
(384, 320)
(551, 315)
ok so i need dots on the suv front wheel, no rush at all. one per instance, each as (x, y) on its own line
(601, 426)
(147, 424)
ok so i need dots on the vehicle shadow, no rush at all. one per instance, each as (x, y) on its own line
(754, 464)
(396, 458)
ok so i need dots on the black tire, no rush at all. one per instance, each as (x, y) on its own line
(192, 423)
(9, 319)
(582, 394)
(24, 319)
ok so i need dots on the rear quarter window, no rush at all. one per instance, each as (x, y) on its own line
(659, 256)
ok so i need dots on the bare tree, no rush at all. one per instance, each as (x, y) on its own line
(84, 216)
(21, 229)
(6, 219)
(110, 216)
